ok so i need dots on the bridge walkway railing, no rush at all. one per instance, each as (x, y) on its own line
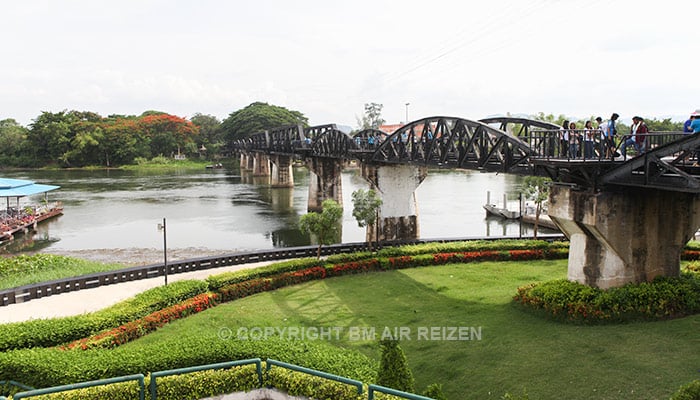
(589, 145)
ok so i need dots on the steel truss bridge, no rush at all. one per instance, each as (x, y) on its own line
(501, 144)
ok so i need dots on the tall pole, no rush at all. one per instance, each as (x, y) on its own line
(161, 227)
(407, 104)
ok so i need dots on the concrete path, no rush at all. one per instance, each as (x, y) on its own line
(89, 300)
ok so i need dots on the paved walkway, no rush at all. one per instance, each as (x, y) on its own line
(89, 300)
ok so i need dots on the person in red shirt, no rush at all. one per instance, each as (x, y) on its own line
(641, 135)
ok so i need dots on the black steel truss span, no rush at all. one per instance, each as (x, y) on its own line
(513, 147)
(454, 143)
(332, 143)
(520, 127)
(665, 167)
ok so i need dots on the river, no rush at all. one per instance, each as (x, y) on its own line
(113, 215)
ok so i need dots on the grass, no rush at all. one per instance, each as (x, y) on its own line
(517, 352)
(25, 270)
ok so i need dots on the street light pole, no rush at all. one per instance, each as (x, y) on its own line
(407, 104)
(161, 227)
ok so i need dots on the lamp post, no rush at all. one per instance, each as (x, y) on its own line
(407, 104)
(161, 227)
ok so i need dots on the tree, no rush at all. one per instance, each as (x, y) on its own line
(373, 116)
(13, 142)
(393, 368)
(258, 117)
(365, 207)
(536, 188)
(210, 134)
(324, 225)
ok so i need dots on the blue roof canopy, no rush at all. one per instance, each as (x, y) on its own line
(21, 188)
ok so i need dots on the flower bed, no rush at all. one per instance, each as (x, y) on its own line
(135, 329)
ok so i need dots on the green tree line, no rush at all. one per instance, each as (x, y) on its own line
(85, 138)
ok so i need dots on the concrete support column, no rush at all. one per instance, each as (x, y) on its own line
(630, 236)
(324, 181)
(247, 162)
(398, 214)
(261, 164)
(282, 174)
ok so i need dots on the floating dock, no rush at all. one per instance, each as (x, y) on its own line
(18, 219)
(525, 214)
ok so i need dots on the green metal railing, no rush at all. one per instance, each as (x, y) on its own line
(348, 381)
(393, 392)
(153, 386)
(38, 392)
(6, 384)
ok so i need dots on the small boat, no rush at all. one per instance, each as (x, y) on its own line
(214, 166)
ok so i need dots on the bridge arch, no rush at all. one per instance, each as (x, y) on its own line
(332, 143)
(520, 127)
(456, 143)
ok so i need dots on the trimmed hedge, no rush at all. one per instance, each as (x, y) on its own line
(300, 384)
(53, 332)
(664, 298)
(52, 367)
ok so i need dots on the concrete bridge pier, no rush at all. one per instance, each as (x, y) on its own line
(622, 237)
(282, 175)
(324, 181)
(261, 164)
(247, 161)
(398, 214)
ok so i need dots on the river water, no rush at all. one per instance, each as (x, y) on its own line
(113, 215)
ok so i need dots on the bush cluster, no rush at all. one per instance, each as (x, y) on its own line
(662, 298)
(142, 326)
(690, 391)
(53, 332)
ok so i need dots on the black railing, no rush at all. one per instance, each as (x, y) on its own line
(590, 144)
(38, 290)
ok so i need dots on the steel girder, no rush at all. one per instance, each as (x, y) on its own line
(519, 127)
(456, 143)
(332, 143)
(663, 168)
(286, 139)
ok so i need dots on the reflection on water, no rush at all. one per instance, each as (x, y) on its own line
(222, 210)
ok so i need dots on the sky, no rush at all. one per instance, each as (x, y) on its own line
(327, 59)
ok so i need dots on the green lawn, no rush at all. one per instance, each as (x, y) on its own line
(24, 270)
(517, 351)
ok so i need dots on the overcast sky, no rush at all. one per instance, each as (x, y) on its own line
(325, 58)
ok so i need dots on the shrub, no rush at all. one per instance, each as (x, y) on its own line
(198, 385)
(301, 384)
(142, 326)
(218, 281)
(434, 391)
(571, 301)
(53, 332)
(393, 369)
(52, 367)
(690, 391)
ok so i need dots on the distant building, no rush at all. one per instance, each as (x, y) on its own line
(389, 129)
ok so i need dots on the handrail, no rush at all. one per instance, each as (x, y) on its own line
(26, 293)
(153, 386)
(17, 384)
(270, 362)
(82, 385)
(381, 389)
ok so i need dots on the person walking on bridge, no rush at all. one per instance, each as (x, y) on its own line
(610, 131)
(636, 138)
